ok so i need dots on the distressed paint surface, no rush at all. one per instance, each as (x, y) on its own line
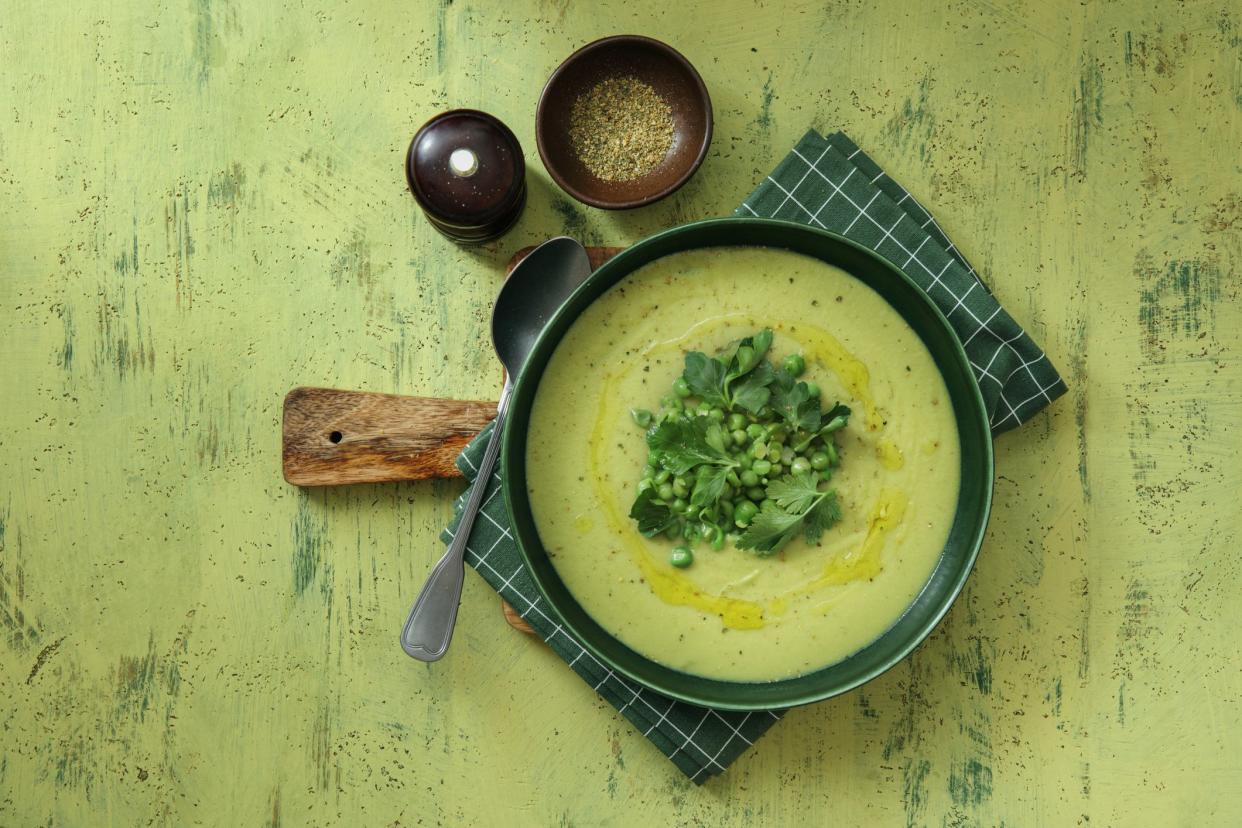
(205, 206)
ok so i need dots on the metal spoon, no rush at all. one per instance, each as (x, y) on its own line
(527, 300)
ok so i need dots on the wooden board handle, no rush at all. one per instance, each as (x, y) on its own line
(334, 437)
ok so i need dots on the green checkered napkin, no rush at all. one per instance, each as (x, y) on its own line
(832, 184)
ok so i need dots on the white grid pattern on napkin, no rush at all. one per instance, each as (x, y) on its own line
(955, 301)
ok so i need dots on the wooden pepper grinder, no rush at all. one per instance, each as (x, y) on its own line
(466, 170)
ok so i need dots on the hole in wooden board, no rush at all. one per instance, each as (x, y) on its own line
(335, 437)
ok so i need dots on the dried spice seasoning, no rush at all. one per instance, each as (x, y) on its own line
(621, 129)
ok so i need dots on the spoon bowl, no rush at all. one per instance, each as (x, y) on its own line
(538, 286)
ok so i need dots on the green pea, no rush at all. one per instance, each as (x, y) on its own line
(645, 484)
(641, 417)
(830, 448)
(777, 470)
(663, 475)
(681, 388)
(665, 492)
(673, 532)
(800, 465)
(795, 365)
(745, 460)
(819, 460)
(825, 475)
(775, 454)
(681, 557)
(744, 512)
(716, 414)
(767, 503)
(787, 455)
(679, 505)
(690, 532)
(739, 437)
(726, 506)
(680, 489)
(756, 431)
(756, 492)
(813, 389)
(703, 408)
(736, 421)
(671, 402)
(749, 478)
(726, 439)
(760, 450)
(762, 468)
(733, 480)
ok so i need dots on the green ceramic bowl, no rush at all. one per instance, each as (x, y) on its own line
(965, 537)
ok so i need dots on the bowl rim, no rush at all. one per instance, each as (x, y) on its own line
(510, 481)
(595, 45)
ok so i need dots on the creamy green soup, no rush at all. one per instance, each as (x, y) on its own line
(733, 615)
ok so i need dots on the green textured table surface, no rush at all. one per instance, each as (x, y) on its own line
(204, 205)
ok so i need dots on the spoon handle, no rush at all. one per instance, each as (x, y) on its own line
(429, 628)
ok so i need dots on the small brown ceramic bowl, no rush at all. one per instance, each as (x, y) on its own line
(654, 63)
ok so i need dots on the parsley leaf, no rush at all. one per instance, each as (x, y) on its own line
(714, 436)
(821, 516)
(836, 418)
(752, 393)
(706, 378)
(711, 379)
(709, 485)
(685, 443)
(794, 403)
(770, 530)
(763, 341)
(747, 356)
(652, 517)
(794, 493)
(797, 505)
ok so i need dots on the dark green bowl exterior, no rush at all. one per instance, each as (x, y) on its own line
(965, 537)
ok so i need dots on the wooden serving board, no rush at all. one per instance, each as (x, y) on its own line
(332, 437)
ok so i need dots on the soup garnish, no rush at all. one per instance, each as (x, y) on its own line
(740, 449)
